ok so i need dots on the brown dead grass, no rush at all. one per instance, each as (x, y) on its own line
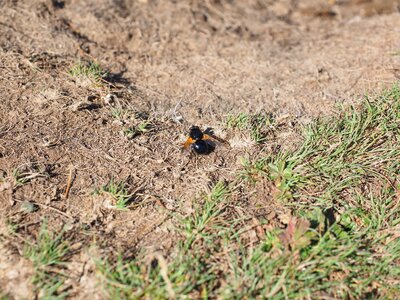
(183, 63)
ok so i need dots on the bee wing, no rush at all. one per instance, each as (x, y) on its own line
(215, 138)
(188, 142)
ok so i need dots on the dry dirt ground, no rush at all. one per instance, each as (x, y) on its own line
(171, 64)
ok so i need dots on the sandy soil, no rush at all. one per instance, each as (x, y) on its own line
(172, 64)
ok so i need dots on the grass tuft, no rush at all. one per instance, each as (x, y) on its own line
(139, 129)
(90, 70)
(135, 123)
(47, 254)
(24, 174)
(117, 191)
(258, 125)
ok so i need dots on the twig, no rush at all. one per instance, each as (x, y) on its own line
(69, 182)
(49, 207)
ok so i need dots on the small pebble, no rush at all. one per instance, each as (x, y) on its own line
(109, 99)
(80, 105)
(28, 207)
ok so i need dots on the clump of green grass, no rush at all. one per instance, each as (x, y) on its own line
(310, 258)
(91, 70)
(136, 130)
(119, 114)
(190, 273)
(117, 191)
(48, 253)
(258, 125)
(338, 262)
(138, 122)
(19, 178)
(339, 153)
(23, 174)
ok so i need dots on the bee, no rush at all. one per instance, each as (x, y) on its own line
(201, 142)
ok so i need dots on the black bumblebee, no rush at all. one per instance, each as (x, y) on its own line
(201, 142)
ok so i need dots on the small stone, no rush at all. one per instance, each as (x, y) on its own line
(117, 122)
(101, 121)
(80, 105)
(28, 207)
(109, 99)
(177, 119)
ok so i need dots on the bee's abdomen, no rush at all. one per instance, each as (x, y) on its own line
(200, 147)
